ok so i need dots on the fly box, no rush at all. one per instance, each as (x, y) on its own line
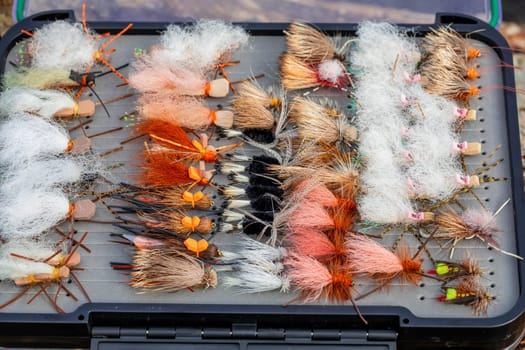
(103, 311)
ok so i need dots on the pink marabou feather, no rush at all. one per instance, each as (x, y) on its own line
(187, 112)
(310, 214)
(316, 192)
(150, 77)
(366, 256)
(309, 275)
(307, 241)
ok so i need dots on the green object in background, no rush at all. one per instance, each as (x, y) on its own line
(20, 7)
(494, 13)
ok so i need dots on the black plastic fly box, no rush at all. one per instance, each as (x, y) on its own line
(120, 317)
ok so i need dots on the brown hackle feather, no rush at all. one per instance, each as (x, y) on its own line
(467, 268)
(176, 243)
(318, 282)
(347, 180)
(308, 44)
(340, 290)
(173, 197)
(312, 154)
(343, 215)
(446, 58)
(471, 223)
(331, 167)
(168, 270)
(341, 175)
(444, 75)
(471, 265)
(171, 220)
(441, 58)
(334, 180)
(337, 236)
(255, 94)
(446, 37)
(452, 226)
(483, 298)
(251, 109)
(296, 74)
(319, 123)
(412, 272)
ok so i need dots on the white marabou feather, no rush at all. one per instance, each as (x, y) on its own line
(61, 44)
(200, 46)
(406, 134)
(380, 47)
(331, 70)
(15, 267)
(42, 174)
(24, 137)
(30, 213)
(43, 103)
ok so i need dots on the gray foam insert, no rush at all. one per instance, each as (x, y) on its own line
(105, 285)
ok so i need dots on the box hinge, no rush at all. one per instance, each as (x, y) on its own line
(381, 335)
(236, 331)
(138, 333)
(326, 334)
(105, 332)
(244, 331)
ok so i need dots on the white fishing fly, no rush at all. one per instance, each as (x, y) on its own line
(20, 258)
(62, 44)
(43, 103)
(30, 213)
(407, 136)
(200, 46)
(43, 174)
(24, 138)
(254, 251)
(251, 279)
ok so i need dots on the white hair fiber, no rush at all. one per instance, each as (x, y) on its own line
(25, 137)
(407, 135)
(381, 47)
(200, 46)
(61, 44)
(251, 278)
(254, 251)
(43, 103)
(17, 267)
(382, 57)
(42, 174)
(29, 213)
